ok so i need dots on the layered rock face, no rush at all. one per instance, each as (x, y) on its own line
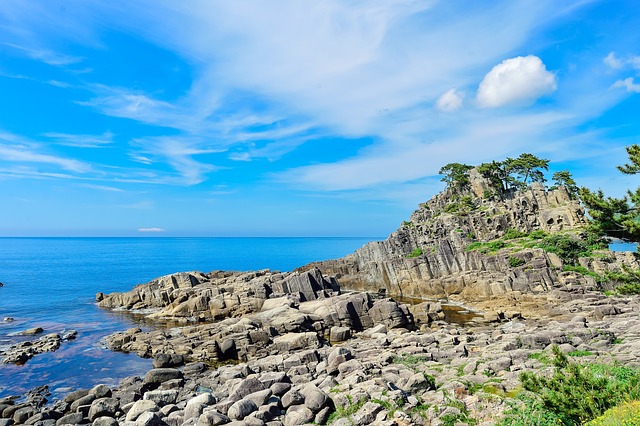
(246, 315)
(428, 255)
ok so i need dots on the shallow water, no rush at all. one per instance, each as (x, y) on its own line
(52, 282)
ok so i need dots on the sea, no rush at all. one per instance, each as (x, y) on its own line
(52, 282)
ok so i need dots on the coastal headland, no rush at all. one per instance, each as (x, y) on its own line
(363, 339)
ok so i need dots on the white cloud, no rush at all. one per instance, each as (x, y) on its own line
(47, 56)
(450, 100)
(612, 61)
(519, 80)
(16, 149)
(152, 230)
(628, 83)
(616, 63)
(80, 141)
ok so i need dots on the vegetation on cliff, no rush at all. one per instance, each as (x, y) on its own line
(616, 217)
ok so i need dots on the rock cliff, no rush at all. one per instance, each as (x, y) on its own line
(459, 246)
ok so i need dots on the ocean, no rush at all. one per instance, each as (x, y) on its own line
(52, 282)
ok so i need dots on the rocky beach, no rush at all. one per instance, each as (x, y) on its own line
(333, 343)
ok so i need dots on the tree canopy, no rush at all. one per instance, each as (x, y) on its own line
(564, 178)
(616, 217)
(456, 176)
(515, 173)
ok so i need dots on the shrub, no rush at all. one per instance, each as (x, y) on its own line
(578, 393)
(415, 253)
(514, 262)
(568, 248)
(511, 234)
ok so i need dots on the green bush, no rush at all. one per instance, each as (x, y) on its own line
(417, 252)
(511, 234)
(578, 393)
(514, 262)
(568, 248)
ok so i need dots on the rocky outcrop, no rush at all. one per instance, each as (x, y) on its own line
(380, 375)
(241, 316)
(429, 255)
(22, 352)
(196, 296)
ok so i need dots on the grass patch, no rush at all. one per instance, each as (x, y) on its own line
(417, 252)
(514, 262)
(627, 414)
(347, 411)
(580, 353)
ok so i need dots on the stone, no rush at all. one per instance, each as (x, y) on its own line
(212, 418)
(241, 409)
(339, 334)
(293, 397)
(298, 415)
(158, 375)
(162, 397)
(105, 421)
(100, 391)
(167, 360)
(103, 407)
(141, 406)
(70, 419)
(149, 419)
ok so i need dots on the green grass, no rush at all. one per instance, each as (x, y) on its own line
(347, 411)
(514, 262)
(415, 253)
(627, 414)
(580, 353)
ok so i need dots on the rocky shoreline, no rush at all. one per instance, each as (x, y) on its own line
(325, 345)
(301, 351)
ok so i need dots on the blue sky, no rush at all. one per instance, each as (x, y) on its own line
(297, 118)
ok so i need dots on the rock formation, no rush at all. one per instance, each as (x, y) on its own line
(429, 256)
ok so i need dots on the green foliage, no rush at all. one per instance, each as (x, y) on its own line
(408, 224)
(456, 176)
(409, 360)
(514, 262)
(529, 167)
(528, 410)
(415, 253)
(538, 234)
(578, 353)
(464, 205)
(541, 357)
(514, 172)
(568, 247)
(511, 234)
(616, 217)
(494, 246)
(474, 246)
(578, 393)
(564, 178)
(627, 414)
(346, 411)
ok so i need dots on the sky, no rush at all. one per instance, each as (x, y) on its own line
(297, 117)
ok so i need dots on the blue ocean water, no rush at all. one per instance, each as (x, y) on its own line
(52, 282)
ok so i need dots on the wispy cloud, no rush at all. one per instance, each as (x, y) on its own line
(151, 230)
(80, 141)
(47, 56)
(16, 149)
(102, 187)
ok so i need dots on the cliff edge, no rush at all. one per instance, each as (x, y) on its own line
(477, 245)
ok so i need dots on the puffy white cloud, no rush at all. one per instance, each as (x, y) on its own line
(519, 80)
(450, 100)
(612, 61)
(628, 84)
